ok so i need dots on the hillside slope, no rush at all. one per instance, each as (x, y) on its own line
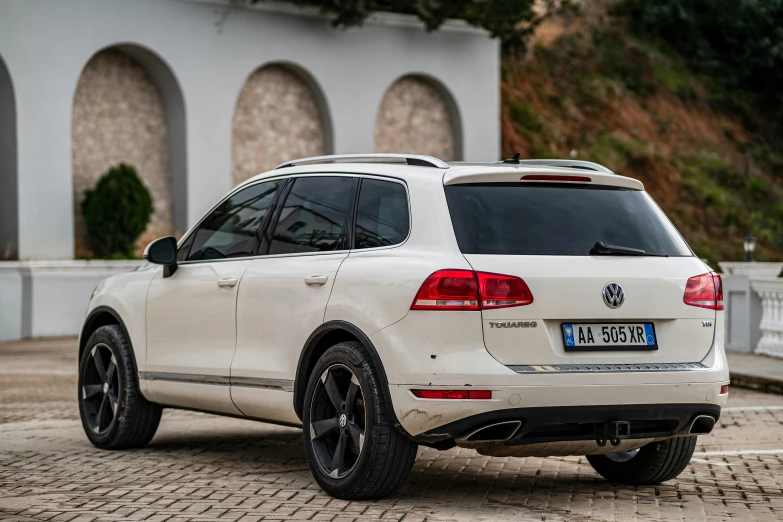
(594, 92)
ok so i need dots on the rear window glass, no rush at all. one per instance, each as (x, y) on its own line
(562, 220)
(382, 216)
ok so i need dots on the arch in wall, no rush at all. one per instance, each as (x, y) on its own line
(9, 187)
(128, 107)
(419, 115)
(281, 114)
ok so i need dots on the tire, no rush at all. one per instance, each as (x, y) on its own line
(373, 465)
(652, 464)
(114, 413)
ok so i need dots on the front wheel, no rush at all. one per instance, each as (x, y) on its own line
(353, 449)
(651, 464)
(114, 413)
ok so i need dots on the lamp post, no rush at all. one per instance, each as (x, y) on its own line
(750, 245)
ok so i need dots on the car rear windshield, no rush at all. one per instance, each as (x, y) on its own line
(558, 219)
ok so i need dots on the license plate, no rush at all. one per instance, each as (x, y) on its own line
(582, 337)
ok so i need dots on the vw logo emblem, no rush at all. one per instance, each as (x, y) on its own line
(613, 295)
(343, 420)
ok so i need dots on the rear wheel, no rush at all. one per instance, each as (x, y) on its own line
(651, 464)
(353, 449)
(114, 413)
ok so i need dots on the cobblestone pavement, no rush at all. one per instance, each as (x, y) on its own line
(202, 467)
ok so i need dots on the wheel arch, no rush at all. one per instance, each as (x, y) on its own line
(325, 336)
(103, 316)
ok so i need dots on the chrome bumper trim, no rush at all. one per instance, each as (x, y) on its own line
(608, 368)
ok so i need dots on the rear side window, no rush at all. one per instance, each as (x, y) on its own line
(557, 219)
(231, 230)
(314, 216)
(382, 215)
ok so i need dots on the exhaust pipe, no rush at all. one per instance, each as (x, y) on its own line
(496, 432)
(702, 425)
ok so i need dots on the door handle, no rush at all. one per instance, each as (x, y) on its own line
(227, 283)
(316, 280)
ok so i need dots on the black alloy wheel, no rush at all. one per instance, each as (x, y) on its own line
(338, 419)
(114, 413)
(352, 446)
(100, 388)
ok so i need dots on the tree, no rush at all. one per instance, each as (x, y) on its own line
(739, 42)
(509, 20)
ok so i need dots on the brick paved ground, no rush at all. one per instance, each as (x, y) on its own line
(202, 467)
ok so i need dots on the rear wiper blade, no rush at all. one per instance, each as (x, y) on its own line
(602, 249)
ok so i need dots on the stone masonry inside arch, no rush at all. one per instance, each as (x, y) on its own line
(118, 116)
(414, 117)
(276, 119)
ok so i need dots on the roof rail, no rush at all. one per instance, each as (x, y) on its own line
(574, 164)
(417, 160)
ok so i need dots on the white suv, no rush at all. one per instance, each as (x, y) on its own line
(381, 302)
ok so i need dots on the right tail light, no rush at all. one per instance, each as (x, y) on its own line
(704, 291)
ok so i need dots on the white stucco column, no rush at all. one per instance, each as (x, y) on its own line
(43, 109)
(210, 107)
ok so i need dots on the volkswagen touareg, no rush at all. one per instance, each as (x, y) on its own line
(381, 302)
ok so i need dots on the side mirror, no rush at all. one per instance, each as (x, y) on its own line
(163, 251)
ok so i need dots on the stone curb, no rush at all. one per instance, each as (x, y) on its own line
(757, 383)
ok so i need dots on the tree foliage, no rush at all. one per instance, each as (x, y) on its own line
(505, 19)
(739, 42)
(116, 212)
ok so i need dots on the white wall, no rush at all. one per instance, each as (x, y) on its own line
(50, 298)
(46, 43)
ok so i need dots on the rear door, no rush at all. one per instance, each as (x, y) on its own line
(587, 308)
(284, 293)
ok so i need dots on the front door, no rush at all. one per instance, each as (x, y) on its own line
(191, 315)
(284, 294)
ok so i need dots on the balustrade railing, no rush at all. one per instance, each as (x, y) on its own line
(771, 292)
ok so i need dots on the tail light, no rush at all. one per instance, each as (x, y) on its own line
(502, 291)
(468, 290)
(448, 290)
(704, 291)
(453, 394)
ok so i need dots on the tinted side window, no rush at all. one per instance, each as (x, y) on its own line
(231, 230)
(313, 217)
(184, 250)
(382, 214)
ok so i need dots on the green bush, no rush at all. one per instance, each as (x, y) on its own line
(116, 212)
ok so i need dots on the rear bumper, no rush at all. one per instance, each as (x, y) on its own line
(577, 423)
(428, 420)
(453, 356)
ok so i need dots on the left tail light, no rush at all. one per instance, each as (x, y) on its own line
(468, 290)
(448, 290)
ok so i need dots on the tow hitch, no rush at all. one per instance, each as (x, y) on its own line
(613, 432)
